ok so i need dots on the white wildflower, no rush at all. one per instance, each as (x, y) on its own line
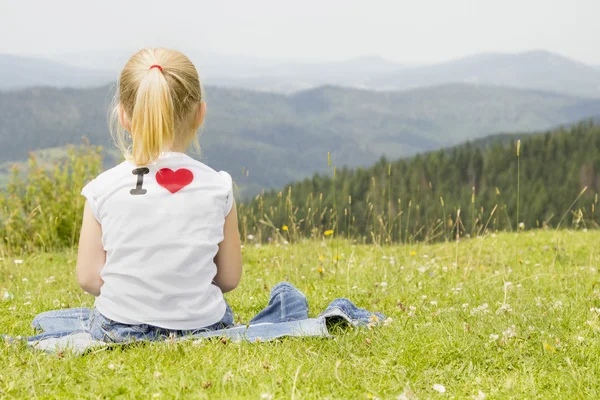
(25, 280)
(558, 304)
(504, 308)
(479, 396)
(494, 337)
(8, 296)
(439, 388)
(250, 237)
(433, 303)
(18, 261)
(482, 309)
(580, 338)
(509, 333)
(387, 321)
(383, 284)
(266, 396)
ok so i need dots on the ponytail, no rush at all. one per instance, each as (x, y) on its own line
(158, 93)
(152, 121)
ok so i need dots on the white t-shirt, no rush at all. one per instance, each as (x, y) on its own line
(161, 227)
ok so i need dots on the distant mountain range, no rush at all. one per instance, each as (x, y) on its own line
(535, 70)
(23, 72)
(267, 140)
(540, 70)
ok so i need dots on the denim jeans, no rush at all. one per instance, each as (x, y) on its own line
(286, 314)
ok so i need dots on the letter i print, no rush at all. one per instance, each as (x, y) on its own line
(140, 172)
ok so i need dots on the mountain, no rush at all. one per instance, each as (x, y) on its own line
(540, 70)
(266, 139)
(255, 73)
(292, 77)
(22, 72)
(557, 182)
(535, 70)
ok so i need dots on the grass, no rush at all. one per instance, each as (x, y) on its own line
(538, 336)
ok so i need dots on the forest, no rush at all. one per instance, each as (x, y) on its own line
(544, 180)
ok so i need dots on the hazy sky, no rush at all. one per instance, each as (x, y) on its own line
(414, 31)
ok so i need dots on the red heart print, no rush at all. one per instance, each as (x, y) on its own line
(174, 181)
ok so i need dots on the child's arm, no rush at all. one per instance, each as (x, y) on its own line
(229, 257)
(91, 256)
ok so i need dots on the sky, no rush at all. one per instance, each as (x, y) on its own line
(412, 32)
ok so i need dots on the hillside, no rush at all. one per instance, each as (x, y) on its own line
(450, 305)
(275, 139)
(420, 197)
(22, 72)
(536, 70)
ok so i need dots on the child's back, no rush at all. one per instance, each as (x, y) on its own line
(161, 237)
(159, 242)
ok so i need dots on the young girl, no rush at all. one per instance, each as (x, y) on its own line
(159, 242)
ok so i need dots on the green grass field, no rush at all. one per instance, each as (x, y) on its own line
(499, 316)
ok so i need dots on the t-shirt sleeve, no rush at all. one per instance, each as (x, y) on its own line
(229, 183)
(89, 193)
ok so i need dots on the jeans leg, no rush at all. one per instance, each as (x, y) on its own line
(71, 319)
(286, 304)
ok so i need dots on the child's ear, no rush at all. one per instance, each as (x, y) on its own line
(123, 119)
(200, 113)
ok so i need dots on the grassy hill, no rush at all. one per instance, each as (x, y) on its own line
(267, 140)
(503, 316)
(550, 179)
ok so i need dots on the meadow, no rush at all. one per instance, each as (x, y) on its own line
(512, 315)
(494, 314)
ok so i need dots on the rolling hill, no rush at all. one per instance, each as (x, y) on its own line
(540, 70)
(535, 70)
(267, 140)
(22, 72)
(423, 197)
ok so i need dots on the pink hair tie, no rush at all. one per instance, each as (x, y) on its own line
(156, 66)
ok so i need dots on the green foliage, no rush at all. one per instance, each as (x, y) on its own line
(463, 191)
(41, 207)
(467, 316)
(267, 140)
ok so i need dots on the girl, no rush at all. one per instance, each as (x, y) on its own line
(159, 242)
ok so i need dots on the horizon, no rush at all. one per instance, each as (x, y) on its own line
(266, 62)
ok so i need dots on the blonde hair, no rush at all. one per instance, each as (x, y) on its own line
(159, 91)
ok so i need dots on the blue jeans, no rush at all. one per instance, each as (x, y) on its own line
(286, 314)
